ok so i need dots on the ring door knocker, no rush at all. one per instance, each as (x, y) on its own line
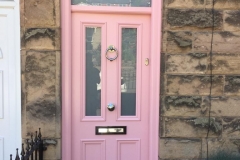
(111, 49)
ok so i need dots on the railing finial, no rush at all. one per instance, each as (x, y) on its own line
(27, 148)
(17, 155)
(22, 152)
(36, 138)
(39, 134)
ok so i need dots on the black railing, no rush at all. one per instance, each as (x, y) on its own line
(34, 149)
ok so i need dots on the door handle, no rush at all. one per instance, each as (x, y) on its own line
(110, 106)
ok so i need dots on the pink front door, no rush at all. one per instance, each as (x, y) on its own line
(110, 98)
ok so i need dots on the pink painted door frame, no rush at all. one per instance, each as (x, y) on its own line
(66, 11)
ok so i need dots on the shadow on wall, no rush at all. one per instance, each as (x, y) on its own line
(223, 155)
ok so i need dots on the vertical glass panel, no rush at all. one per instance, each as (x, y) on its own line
(128, 72)
(93, 68)
(118, 3)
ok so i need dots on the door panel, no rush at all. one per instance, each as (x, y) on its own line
(97, 82)
(128, 149)
(93, 149)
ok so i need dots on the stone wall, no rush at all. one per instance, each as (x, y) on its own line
(186, 80)
(40, 59)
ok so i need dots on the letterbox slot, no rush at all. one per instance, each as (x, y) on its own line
(105, 130)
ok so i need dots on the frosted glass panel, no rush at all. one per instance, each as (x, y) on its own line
(119, 3)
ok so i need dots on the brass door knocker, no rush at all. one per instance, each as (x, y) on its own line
(111, 49)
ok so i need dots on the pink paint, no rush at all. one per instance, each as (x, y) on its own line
(66, 79)
(79, 141)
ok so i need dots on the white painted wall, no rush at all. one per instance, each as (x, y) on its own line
(10, 93)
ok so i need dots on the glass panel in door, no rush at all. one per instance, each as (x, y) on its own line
(128, 72)
(118, 3)
(93, 68)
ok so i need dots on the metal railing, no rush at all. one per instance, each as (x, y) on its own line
(34, 149)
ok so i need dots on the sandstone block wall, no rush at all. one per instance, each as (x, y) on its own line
(40, 59)
(185, 79)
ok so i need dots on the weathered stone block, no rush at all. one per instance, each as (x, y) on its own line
(225, 106)
(23, 93)
(40, 13)
(230, 147)
(164, 20)
(162, 84)
(231, 127)
(58, 95)
(184, 106)
(22, 17)
(41, 38)
(161, 127)
(194, 85)
(185, 4)
(226, 63)
(192, 127)
(162, 104)
(227, 37)
(202, 42)
(53, 151)
(194, 18)
(162, 67)
(170, 148)
(232, 85)
(223, 42)
(231, 20)
(57, 13)
(164, 47)
(223, 4)
(179, 42)
(40, 73)
(187, 63)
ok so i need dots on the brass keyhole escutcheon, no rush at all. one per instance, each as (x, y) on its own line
(146, 62)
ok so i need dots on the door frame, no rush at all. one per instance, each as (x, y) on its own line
(156, 18)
